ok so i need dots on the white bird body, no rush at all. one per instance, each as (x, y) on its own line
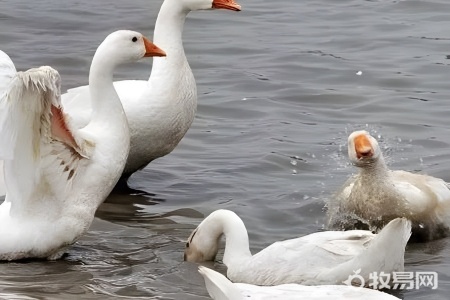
(377, 195)
(56, 176)
(220, 288)
(328, 257)
(160, 110)
(2, 180)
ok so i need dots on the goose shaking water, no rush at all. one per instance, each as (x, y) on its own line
(376, 195)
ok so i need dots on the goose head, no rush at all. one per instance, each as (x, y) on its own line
(363, 149)
(203, 243)
(211, 4)
(125, 46)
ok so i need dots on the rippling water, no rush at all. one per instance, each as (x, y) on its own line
(278, 95)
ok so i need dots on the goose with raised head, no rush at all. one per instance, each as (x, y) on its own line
(328, 257)
(57, 176)
(376, 195)
(220, 288)
(160, 110)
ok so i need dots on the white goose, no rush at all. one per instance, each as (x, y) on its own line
(56, 177)
(160, 110)
(220, 288)
(377, 195)
(2, 178)
(328, 257)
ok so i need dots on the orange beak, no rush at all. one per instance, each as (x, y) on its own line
(226, 4)
(152, 50)
(363, 147)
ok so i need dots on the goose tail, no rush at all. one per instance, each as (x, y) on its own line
(386, 252)
(388, 247)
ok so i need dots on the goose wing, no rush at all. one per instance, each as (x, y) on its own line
(35, 134)
(284, 261)
(423, 193)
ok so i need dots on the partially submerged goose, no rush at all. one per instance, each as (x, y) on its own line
(327, 257)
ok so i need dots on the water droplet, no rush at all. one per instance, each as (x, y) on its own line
(294, 172)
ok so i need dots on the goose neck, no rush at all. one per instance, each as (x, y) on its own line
(168, 36)
(169, 25)
(237, 244)
(105, 101)
(375, 170)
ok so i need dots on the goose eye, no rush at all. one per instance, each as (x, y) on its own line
(187, 245)
(134, 39)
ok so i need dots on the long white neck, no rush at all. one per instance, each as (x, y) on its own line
(106, 105)
(108, 126)
(168, 35)
(236, 246)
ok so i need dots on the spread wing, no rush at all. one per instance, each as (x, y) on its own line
(34, 132)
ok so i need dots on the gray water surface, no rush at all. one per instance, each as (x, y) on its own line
(278, 95)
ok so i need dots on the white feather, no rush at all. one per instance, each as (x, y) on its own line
(377, 195)
(8, 138)
(220, 288)
(160, 110)
(328, 257)
(25, 125)
(55, 176)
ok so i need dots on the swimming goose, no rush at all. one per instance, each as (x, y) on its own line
(56, 176)
(220, 288)
(328, 257)
(160, 110)
(377, 195)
